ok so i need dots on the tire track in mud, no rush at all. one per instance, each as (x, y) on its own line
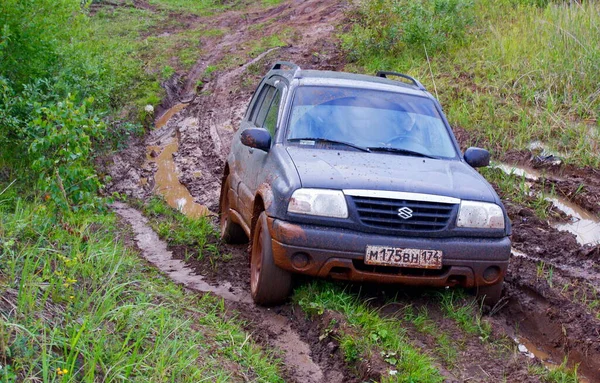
(280, 334)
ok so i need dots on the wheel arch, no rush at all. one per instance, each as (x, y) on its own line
(262, 202)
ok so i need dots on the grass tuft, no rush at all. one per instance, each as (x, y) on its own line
(369, 333)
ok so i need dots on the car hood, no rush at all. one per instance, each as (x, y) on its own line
(343, 169)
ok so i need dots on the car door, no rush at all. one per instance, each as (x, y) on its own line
(258, 157)
(248, 158)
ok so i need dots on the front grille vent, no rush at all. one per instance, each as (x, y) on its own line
(389, 214)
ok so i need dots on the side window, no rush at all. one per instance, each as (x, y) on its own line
(271, 120)
(259, 100)
(264, 107)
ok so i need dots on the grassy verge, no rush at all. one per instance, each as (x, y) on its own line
(369, 333)
(77, 305)
(196, 236)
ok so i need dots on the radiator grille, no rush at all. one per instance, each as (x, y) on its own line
(384, 213)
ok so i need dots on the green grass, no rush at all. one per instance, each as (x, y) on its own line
(369, 333)
(447, 346)
(518, 190)
(507, 93)
(465, 311)
(560, 374)
(280, 39)
(196, 7)
(197, 234)
(78, 306)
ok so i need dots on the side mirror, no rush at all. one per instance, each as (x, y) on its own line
(256, 138)
(477, 157)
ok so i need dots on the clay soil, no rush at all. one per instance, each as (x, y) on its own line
(552, 309)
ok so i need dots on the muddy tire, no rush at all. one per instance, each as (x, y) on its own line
(490, 294)
(231, 232)
(269, 285)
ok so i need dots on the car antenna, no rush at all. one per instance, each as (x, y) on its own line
(431, 72)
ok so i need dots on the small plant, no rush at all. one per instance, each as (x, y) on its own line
(167, 72)
(210, 69)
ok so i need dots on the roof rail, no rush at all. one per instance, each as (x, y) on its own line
(385, 74)
(280, 64)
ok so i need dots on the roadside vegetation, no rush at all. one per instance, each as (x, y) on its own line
(510, 73)
(77, 304)
(77, 79)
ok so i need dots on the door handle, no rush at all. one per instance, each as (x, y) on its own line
(251, 150)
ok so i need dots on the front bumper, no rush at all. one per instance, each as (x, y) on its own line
(339, 254)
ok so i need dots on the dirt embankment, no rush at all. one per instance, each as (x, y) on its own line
(549, 275)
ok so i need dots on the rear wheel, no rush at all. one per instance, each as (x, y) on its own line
(490, 294)
(269, 285)
(231, 232)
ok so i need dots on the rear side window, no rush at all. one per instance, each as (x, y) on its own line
(261, 107)
(271, 120)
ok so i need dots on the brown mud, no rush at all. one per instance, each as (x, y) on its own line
(552, 282)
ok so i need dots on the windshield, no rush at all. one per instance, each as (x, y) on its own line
(375, 120)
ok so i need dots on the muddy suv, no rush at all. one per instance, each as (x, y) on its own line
(359, 178)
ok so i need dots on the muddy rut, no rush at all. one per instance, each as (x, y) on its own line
(553, 278)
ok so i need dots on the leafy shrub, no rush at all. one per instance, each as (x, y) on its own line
(57, 84)
(404, 27)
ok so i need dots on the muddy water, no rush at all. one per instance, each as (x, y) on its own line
(166, 116)
(166, 180)
(155, 251)
(584, 225)
(296, 353)
(529, 173)
(529, 349)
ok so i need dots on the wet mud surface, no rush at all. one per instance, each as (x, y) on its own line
(552, 282)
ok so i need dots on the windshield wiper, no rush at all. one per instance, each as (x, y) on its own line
(321, 139)
(400, 151)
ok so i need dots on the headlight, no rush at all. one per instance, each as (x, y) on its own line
(480, 215)
(323, 202)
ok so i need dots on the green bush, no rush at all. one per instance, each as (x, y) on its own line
(404, 27)
(57, 85)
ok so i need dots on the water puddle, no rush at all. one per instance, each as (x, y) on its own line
(583, 224)
(296, 353)
(522, 171)
(530, 350)
(166, 180)
(166, 116)
(155, 251)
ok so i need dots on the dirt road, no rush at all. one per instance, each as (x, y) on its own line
(551, 305)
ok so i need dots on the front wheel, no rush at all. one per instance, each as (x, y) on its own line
(490, 294)
(269, 285)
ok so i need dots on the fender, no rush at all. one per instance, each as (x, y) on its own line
(262, 201)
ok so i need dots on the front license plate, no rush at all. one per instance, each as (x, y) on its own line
(394, 256)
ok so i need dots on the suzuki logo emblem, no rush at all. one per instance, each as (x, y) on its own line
(405, 212)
